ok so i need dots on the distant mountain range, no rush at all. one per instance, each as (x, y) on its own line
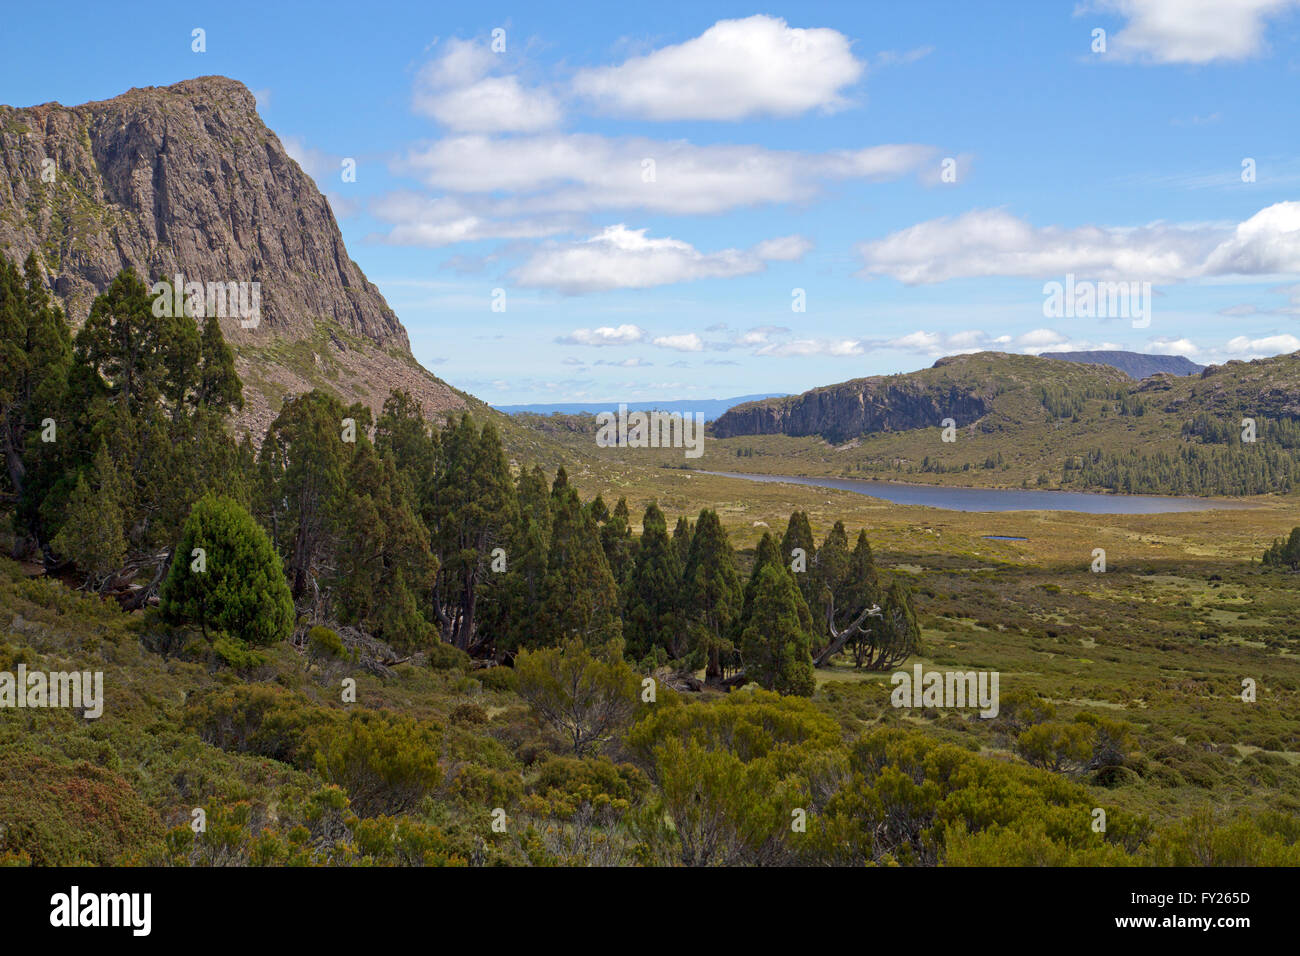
(1133, 364)
(1001, 392)
(711, 407)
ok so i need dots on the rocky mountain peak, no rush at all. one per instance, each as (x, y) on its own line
(187, 180)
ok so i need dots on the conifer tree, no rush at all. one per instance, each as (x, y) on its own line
(92, 533)
(768, 553)
(775, 644)
(616, 540)
(226, 577)
(526, 570)
(301, 465)
(580, 598)
(35, 362)
(218, 384)
(682, 534)
(712, 591)
(799, 536)
(652, 599)
(472, 512)
(386, 567)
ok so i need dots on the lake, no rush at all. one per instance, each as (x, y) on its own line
(1001, 499)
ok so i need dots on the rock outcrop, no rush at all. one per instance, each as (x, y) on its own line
(188, 180)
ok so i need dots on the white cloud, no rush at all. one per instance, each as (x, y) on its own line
(810, 347)
(735, 69)
(783, 249)
(421, 221)
(1185, 347)
(688, 342)
(1191, 31)
(623, 258)
(1267, 242)
(992, 242)
(582, 172)
(626, 363)
(457, 91)
(605, 335)
(1243, 347)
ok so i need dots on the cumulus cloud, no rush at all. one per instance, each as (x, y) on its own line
(605, 335)
(736, 69)
(623, 258)
(458, 91)
(992, 242)
(1191, 31)
(1244, 347)
(1267, 242)
(688, 342)
(431, 222)
(581, 172)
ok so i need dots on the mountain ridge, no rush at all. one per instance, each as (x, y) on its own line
(1137, 365)
(186, 179)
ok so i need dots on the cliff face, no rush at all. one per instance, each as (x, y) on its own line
(187, 180)
(840, 412)
(990, 390)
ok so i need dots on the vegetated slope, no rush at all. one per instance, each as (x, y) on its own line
(187, 179)
(1024, 420)
(1133, 364)
(986, 387)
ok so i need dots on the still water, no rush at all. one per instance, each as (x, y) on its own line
(1001, 499)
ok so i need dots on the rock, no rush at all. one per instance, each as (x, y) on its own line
(187, 179)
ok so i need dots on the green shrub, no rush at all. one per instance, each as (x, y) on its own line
(498, 678)
(387, 763)
(442, 656)
(227, 577)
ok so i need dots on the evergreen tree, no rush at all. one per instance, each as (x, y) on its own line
(616, 540)
(775, 644)
(1285, 553)
(403, 436)
(798, 535)
(219, 386)
(472, 511)
(226, 577)
(35, 358)
(92, 531)
(386, 566)
(768, 554)
(580, 598)
(526, 571)
(895, 635)
(301, 469)
(682, 534)
(712, 591)
(652, 600)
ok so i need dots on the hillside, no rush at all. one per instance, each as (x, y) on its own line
(187, 179)
(988, 387)
(1024, 420)
(1133, 364)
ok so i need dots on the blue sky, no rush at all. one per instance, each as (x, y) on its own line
(794, 147)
